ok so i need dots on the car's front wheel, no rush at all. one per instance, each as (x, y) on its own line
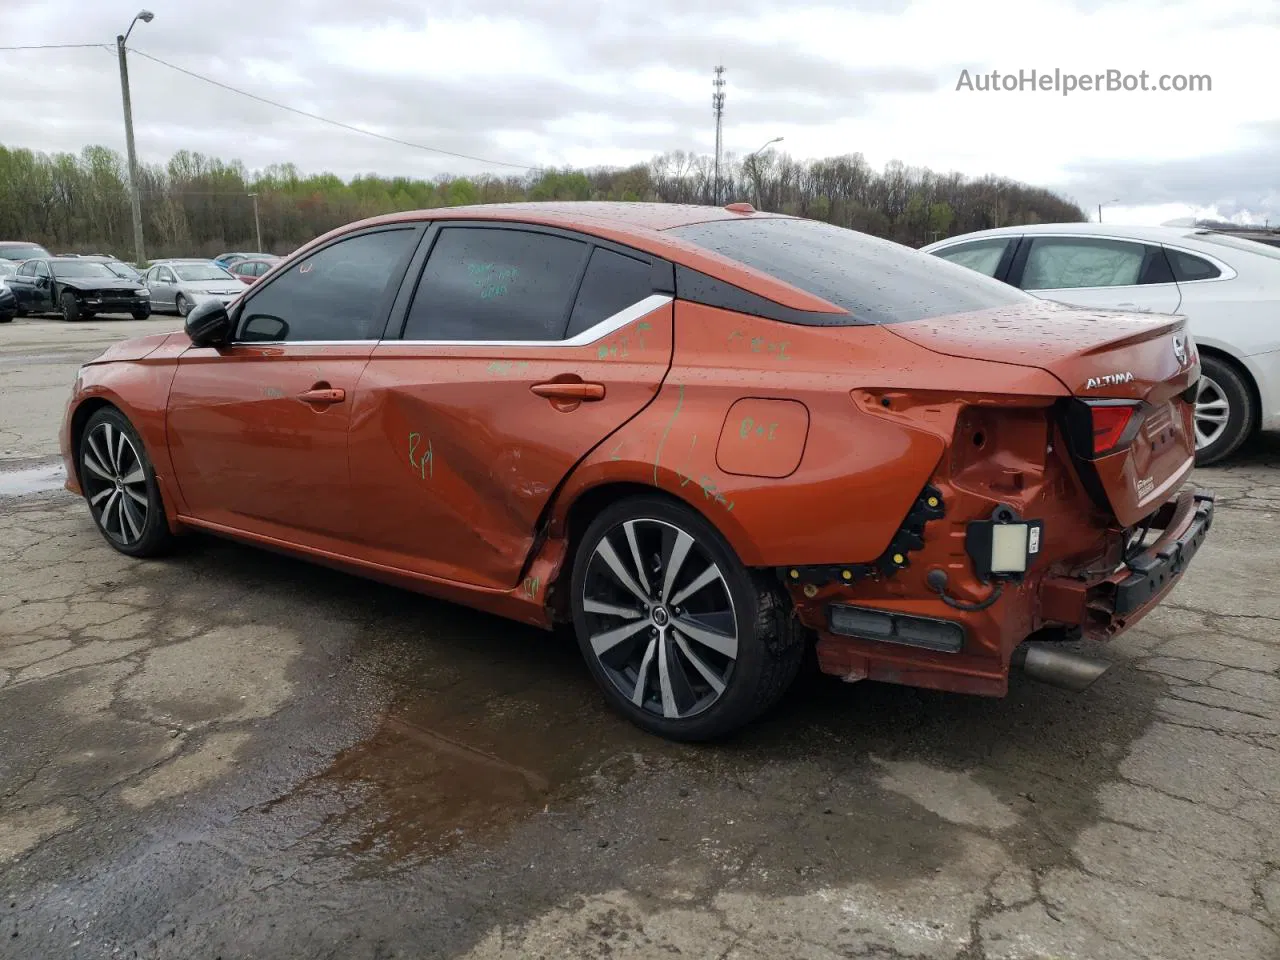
(142, 313)
(182, 304)
(1224, 414)
(120, 486)
(69, 306)
(684, 640)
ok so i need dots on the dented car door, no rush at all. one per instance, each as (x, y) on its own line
(521, 350)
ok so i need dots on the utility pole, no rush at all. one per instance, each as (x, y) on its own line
(1100, 208)
(717, 104)
(135, 189)
(257, 224)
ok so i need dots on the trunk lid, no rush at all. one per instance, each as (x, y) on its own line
(1128, 425)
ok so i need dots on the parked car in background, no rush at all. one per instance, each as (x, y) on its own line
(702, 436)
(8, 302)
(250, 271)
(227, 259)
(115, 265)
(179, 285)
(77, 289)
(1228, 287)
(20, 250)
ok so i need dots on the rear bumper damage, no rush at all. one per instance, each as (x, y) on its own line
(1059, 604)
(1103, 607)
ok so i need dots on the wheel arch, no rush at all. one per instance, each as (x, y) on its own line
(80, 416)
(1246, 375)
(576, 511)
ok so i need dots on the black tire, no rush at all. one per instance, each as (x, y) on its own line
(111, 455)
(1221, 386)
(7, 318)
(69, 306)
(142, 314)
(768, 642)
(20, 313)
(182, 305)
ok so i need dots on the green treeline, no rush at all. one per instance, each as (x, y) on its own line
(199, 206)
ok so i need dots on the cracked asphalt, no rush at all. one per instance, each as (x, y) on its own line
(228, 754)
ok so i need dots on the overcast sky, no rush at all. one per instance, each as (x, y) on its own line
(553, 82)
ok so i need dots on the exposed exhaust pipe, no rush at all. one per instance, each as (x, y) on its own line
(1049, 663)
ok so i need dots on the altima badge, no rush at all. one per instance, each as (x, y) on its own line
(1108, 380)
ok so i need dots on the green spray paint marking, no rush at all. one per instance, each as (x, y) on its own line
(531, 585)
(508, 366)
(657, 457)
(426, 466)
(749, 426)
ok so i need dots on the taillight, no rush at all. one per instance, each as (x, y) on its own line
(1113, 424)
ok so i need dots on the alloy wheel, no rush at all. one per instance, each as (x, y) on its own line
(1212, 412)
(660, 618)
(115, 483)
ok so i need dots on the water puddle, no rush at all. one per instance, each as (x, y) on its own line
(24, 483)
(477, 746)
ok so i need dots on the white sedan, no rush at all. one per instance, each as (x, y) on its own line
(1227, 287)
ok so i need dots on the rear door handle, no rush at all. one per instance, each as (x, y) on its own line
(574, 390)
(323, 395)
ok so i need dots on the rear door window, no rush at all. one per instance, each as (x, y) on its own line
(1058, 263)
(496, 284)
(612, 283)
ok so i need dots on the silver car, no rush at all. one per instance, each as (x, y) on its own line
(181, 284)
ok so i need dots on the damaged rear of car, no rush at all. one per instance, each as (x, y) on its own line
(1048, 504)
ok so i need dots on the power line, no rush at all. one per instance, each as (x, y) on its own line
(58, 46)
(335, 123)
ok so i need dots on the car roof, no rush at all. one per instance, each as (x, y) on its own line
(640, 225)
(1161, 234)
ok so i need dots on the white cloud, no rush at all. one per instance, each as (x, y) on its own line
(574, 82)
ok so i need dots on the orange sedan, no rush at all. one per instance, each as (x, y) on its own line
(705, 437)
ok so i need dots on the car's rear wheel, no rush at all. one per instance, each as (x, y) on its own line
(120, 486)
(183, 305)
(684, 640)
(1223, 413)
(69, 306)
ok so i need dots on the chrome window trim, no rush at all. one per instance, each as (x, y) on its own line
(608, 325)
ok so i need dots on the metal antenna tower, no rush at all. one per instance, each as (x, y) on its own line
(717, 103)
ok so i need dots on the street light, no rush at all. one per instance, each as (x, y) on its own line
(1116, 200)
(139, 252)
(755, 173)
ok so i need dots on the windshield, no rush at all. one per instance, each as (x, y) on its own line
(21, 251)
(82, 268)
(123, 270)
(1238, 243)
(201, 271)
(878, 281)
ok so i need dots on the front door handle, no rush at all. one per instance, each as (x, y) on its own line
(574, 390)
(323, 395)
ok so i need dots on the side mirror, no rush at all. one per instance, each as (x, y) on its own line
(208, 324)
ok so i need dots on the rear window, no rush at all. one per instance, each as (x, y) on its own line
(1238, 243)
(876, 280)
(21, 251)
